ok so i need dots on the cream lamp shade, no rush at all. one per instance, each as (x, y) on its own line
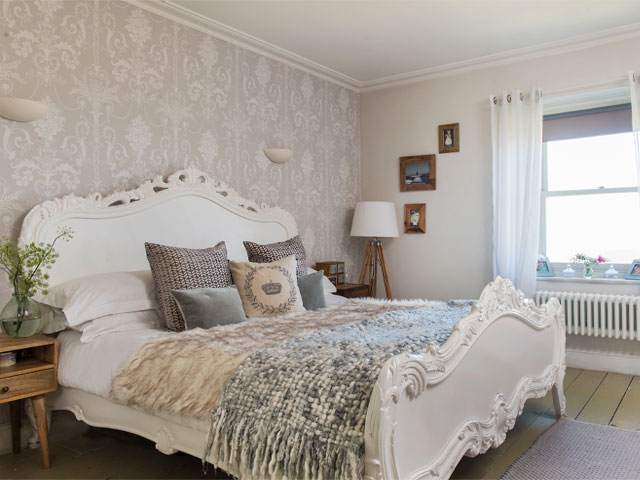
(21, 109)
(375, 219)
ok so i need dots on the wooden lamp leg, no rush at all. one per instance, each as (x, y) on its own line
(365, 264)
(383, 266)
(40, 413)
(373, 278)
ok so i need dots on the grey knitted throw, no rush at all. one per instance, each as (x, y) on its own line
(297, 409)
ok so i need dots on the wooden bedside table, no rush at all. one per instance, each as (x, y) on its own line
(352, 290)
(34, 374)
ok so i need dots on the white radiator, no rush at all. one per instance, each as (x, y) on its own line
(597, 315)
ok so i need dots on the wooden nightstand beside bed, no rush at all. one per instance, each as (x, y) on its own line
(352, 290)
(33, 375)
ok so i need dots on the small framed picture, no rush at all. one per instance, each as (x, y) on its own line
(449, 138)
(543, 268)
(634, 270)
(417, 172)
(415, 218)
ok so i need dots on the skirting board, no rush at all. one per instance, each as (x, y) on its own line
(627, 364)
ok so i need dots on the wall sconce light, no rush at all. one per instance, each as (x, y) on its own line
(278, 155)
(21, 109)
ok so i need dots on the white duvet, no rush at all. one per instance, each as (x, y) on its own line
(90, 367)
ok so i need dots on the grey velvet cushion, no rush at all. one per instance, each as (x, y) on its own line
(209, 307)
(311, 291)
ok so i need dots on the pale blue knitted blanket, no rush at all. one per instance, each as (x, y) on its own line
(297, 408)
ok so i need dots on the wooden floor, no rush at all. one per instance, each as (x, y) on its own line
(79, 451)
(594, 397)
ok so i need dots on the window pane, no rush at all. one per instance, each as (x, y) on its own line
(604, 225)
(592, 162)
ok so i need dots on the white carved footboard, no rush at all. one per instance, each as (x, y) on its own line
(427, 411)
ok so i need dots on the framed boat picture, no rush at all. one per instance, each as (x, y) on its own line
(417, 172)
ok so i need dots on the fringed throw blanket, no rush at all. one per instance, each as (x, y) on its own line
(183, 374)
(289, 394)
(297, 408)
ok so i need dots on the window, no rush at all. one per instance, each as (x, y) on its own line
(590, 202)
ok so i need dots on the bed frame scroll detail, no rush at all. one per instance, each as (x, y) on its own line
(401, 404)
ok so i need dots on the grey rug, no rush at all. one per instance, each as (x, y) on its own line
(580, 451)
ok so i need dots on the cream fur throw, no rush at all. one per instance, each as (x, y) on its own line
(185, 373)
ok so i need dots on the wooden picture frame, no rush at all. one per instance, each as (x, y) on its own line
(415, 218)
(449, 138)
(417, 172)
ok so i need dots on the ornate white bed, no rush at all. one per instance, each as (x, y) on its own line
(426, 411)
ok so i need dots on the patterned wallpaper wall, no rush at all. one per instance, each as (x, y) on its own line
(132, 95)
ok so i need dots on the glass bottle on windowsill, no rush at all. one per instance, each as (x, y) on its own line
(588, 271)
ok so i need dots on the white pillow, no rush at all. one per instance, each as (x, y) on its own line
(327, 286)
(86, 298)
(120, 322)
(53, 320)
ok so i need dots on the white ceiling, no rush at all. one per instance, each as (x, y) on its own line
(367, 42)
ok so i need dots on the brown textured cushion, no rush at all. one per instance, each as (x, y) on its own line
(275, 251)
(268, 289)
(177, 268)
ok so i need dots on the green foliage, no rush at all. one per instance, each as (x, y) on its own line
(27, 266)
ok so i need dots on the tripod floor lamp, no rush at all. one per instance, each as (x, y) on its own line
(374, 220)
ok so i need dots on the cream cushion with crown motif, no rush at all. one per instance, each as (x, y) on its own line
(268, 289)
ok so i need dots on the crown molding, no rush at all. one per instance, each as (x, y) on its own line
(177, 13)
(559, 47)
(171, 11)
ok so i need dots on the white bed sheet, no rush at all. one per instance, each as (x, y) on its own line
(91, 366)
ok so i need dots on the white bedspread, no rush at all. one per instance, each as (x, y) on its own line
(91, 366)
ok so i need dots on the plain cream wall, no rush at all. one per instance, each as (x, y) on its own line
(453, 259)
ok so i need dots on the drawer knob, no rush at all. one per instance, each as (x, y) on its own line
(4, 390)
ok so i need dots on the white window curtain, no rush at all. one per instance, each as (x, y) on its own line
(634, 83)
(516, 134)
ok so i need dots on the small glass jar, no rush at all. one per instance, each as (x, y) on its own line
(568, 272)
(612, 272)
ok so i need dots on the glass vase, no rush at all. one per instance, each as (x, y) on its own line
(20, 317)
(588, 272)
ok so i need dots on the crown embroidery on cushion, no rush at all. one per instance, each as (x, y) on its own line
(272, 288)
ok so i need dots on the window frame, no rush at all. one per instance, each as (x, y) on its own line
(546, 193)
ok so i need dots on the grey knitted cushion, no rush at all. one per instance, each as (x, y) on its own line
(272, 252)
(177, 268)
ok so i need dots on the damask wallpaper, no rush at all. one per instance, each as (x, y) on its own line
(132, 95)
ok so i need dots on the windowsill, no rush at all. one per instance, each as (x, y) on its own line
(606, 281)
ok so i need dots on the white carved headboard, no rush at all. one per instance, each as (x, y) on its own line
(188, 209)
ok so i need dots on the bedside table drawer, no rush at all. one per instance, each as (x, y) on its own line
(27, 384)
(352, 290)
